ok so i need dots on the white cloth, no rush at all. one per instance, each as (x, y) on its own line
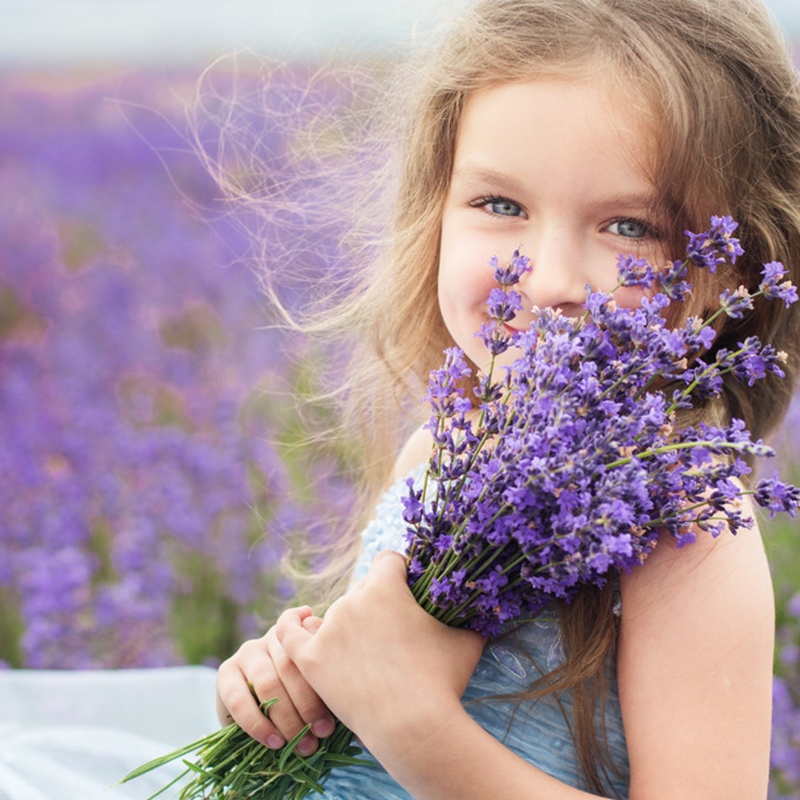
(72, 735)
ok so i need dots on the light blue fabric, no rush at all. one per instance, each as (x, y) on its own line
(536, 731)
(72, 735)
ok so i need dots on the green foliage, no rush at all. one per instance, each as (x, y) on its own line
(230, 764)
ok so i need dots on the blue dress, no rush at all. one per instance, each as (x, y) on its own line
(537, 730)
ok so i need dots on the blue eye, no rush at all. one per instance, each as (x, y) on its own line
(631, 228)
(501, 206)
(505, 207)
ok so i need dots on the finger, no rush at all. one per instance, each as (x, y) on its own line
(290, 631)
(252, 666)
(312, 624)
(388, 562)
(304, 706)
(235, 703)
(388, 567)
(298, 627)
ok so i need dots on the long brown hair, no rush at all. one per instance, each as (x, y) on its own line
(717, 83)
(714, 79)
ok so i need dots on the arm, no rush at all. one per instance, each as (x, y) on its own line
(695, 670)
(695, 665)
(395, 676)
(263, 663)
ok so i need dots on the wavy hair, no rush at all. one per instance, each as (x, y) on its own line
(715, 80)
(717, 83)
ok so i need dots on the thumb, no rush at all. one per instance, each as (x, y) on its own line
(312, 624)
(388, 566)
(290, 629)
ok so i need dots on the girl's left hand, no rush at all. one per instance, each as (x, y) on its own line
(379, 661)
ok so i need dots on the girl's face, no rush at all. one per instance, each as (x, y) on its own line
(559, 168)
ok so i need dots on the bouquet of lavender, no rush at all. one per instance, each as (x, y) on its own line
(576, 462)
(570, 468)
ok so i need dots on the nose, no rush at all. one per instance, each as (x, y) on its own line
(558, 276)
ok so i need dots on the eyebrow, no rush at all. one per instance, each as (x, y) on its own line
(648, 201)
(470, 174)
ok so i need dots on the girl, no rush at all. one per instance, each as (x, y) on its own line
(577, 129)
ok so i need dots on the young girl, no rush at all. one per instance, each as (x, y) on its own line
(576, 129)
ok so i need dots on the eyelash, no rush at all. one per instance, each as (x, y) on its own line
(487, 200)
(648, 231)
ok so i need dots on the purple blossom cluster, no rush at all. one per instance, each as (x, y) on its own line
(714, 246)
(574, 463)
(144, 505)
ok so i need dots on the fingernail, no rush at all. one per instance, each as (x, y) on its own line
(275, 742)
(307, 745)
(322, 727)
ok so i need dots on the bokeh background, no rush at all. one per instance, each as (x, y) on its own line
(153, 465)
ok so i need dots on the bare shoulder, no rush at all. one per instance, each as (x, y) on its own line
(415, 451)
(724, 565)
(721, 585)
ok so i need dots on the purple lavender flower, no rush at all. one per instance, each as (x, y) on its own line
(773, 287)
(713, 247)
(735, 303)
(672, 283)
(575, 465)
(777, 496)
(635, 271)
(503, 304)
(721, 233)
(511, 273)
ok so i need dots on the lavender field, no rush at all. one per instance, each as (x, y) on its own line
(153, 472)
(149, 478)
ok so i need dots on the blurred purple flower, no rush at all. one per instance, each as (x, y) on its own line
(137, 475)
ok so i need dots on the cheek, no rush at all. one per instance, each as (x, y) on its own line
(463, 288)
(465, 278)
(451, 304)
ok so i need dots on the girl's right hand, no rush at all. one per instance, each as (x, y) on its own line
(264, 664)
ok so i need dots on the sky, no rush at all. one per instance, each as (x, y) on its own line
(47, 33)
(52, 32)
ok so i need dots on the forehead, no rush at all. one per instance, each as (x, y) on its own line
(563, 120)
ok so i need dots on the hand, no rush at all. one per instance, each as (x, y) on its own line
(264, 664)
(378, 659)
